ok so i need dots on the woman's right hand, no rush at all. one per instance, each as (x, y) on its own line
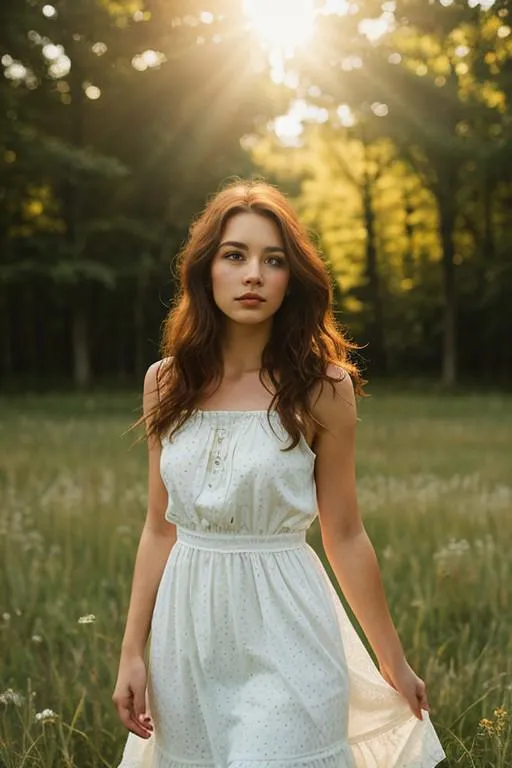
(129, 696)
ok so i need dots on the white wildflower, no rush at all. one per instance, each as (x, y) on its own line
(6, 616)
(46, 716)
(453, 555)
(11, 696)
(485, 545)
(37, 639)
(90, 618)
(454, 548)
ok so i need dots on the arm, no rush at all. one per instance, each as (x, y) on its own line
(156, 541)
(345, 541)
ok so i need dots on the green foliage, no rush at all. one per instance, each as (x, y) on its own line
(105, 161)
(408, 180)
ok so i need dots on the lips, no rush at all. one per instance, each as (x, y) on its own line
(252, 297)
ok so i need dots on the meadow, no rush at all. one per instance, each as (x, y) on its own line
(435, 489)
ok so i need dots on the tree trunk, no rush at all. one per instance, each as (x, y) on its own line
(30, 338)
(80, 336)
(6, 365)
(488, 234)
(446, 204)
(73, 209)
(374, 288)
(408, 259)
(139, 324)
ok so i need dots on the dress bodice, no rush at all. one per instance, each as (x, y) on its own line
(225, 471)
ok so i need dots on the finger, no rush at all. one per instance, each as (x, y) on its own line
(414, 706)
(146, 722)
(130, 722)
(141, 729)
(140, 722)
(422, 697)
(129, 719)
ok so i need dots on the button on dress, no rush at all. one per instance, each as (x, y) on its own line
(253, 661)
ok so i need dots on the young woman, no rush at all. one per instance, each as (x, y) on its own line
(251, 418)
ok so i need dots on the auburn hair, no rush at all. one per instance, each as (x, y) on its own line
(304, 336)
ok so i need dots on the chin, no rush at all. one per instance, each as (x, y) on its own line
(251, 317)
(251, 320)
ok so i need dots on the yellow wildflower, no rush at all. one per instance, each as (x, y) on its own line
(486, 727)
(494, 727)
(501, 716)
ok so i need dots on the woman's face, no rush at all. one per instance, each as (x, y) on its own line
(250, 259)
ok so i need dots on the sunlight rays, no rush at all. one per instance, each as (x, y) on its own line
(281, 25)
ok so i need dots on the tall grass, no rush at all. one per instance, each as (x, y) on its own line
(435, 489)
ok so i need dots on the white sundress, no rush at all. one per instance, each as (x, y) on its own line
(253, 660)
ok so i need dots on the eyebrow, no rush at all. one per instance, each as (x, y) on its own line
(244, 247)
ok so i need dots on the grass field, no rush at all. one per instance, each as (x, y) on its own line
(435, 488)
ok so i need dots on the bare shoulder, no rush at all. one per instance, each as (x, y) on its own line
(335, 404)
(153, 384)
(150, 381)
(153, 378)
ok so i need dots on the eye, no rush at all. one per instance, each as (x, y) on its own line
(279, 261)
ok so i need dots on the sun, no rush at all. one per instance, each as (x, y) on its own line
(281, 25)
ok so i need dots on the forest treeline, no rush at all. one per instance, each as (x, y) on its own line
(120, 117)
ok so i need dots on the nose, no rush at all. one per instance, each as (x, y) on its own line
(253, 272)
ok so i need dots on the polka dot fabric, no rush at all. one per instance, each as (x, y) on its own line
(253, 660)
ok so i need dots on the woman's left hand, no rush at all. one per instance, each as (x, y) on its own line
(404, 680)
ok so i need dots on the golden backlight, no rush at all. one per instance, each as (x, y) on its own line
(282, 25)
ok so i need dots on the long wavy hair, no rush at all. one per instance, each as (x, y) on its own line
(304, 336)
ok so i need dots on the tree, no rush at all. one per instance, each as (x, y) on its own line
(128, 114)
(409, 87)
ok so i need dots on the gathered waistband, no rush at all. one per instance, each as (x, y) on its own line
(240, 542)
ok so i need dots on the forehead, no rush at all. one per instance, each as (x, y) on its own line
(254, 228)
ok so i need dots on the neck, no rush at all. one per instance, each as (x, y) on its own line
(243, 349)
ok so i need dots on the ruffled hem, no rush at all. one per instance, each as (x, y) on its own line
(410, 744)
(148, 755)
